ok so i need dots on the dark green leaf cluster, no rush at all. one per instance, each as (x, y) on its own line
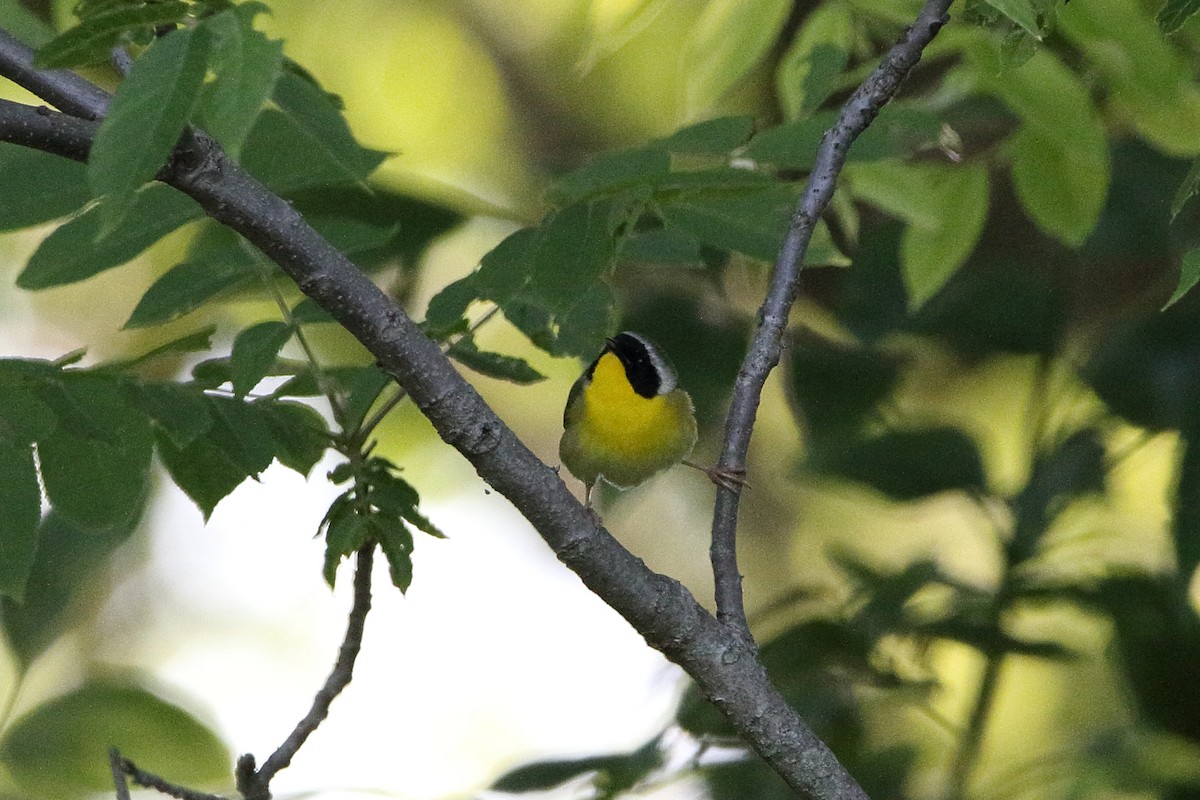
(688, 199)
(85, 438)
(379, 508)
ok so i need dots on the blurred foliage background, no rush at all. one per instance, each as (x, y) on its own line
(971, 543)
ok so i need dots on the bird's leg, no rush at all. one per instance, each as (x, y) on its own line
(732, 479)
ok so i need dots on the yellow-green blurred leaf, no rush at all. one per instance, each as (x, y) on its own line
(727, 41)
(808, 72)
(60, 749)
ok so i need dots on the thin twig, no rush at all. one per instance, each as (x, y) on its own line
(766, 344)
(120, 782)
(151, 781)
(339, 678)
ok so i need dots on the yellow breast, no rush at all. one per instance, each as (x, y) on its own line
(620, 435)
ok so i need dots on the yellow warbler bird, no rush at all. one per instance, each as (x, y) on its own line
(626, 417)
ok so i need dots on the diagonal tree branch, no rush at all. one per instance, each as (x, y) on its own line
(766, 344)
(719, 657)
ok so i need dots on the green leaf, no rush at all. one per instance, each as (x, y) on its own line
(189, 285)
(751, 221)
(96, 464)
(575, 247)
(24, 416)
(307, 312)
(1188, 188)
(1189, 276)
(930, 255)
(397, 544)
(836, 386)
(37, 187)
(1174, 13)
(238, 444)
(92, 40)
(611, 26)
(75, 250)
(194, 342)
(59, 749)
(246, 64)
(717, 136)
(1020, 12)
(67, 556)
(21, 500)
(1060, 154)
(395, 496)
(494, 365)
(177, 410)
(617, 773)
(24, 25)
(254, 353)
(808, 72)
(727, 41)
(1148, 84)
(362, 390)
(909, 465)
(345, 532)
(610, 173)
(202, 469)
(301, 434)
(148, 113)
(315, 118)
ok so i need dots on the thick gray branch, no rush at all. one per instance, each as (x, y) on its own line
(766, 343)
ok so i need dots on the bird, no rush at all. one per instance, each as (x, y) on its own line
(626, 417)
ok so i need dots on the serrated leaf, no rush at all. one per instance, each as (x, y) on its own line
(751, 221)
(254, 353)
(345, 532)
(1020, 12)
(397, 544)
(72, 253)
(807, 74)
(494, 365)
(447, 310)
(246, 64)
(575, 247)
(96, 469)
(242, 431)
(315, 117)
(187, 286)
(301, 434)
(1189, 276)
(58, 749)
(1174, 13)
(177, 410)
(727, 41)
(395, 496)
(148, 113)
(93, 39)
(609, 173)
(21, 500)
(37, 187)
(204, 471)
